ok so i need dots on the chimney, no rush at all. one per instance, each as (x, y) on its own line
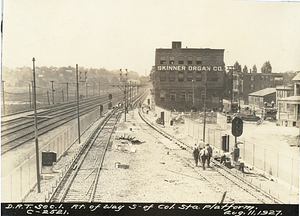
(176, 44)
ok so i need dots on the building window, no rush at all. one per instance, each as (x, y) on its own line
(271, 78)
(172, 76)
(182, 97)
(180, 62)
(172, 59)
(252, 78)
(162, 95)
(203, 95)
(173, 96)
(180, 76)
(163, 76)
(190, 97)
(162, 62)
(190, 76)
(198, 76)
(252, 87)
(199, 61)
(190, 62)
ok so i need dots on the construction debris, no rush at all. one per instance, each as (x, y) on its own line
(124, 137)
(123, 166)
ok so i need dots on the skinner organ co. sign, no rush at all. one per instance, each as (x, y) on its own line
(190, 68)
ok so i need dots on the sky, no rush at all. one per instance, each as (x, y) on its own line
(124, 34)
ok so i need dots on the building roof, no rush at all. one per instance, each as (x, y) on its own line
(295, 99)
(282, 87)
(297, 77)
(263, 92)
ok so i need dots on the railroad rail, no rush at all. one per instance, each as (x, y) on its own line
(79, 183)
(220, 171)
(80, 180)
(18, 136)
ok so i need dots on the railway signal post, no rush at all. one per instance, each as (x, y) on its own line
(236, 130)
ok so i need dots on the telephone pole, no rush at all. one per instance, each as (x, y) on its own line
(2, 82)
(124, 89)
(230, 68)
(78, 118)
(52, 92)
(36, 131)
(204, 116)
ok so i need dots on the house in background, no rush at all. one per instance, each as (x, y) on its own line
(283, 92)
(289, 107)
(259, 98)
(253, 82)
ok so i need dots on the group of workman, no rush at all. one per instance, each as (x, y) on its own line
(203, 152)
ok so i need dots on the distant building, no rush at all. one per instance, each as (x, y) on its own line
(180, 76)
(283, 92)
(289, 107)
(253, 82)
(259, 98)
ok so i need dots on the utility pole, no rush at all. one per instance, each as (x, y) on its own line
(130, 101)
(62, 94)
(204, 116)
(36, 131)
(3, 100)
(78, 118)
(193, 81)
(124, 89)
(52, 92)
(48, 98)
(230, 69)
(32, 91)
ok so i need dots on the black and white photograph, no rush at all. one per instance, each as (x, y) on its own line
(154, 107)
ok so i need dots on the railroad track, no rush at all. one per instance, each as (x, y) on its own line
(220, 177)
(19, 136)
(80, 181)
(10, 126)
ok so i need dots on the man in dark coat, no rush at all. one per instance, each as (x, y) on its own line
(209, 153)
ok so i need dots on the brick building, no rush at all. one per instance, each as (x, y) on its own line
(259, 98)
(181, 74)
(253, 82)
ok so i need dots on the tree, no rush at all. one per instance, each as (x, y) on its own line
(254, 69)
(237, 67)
(245, 69)
(266, 68)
